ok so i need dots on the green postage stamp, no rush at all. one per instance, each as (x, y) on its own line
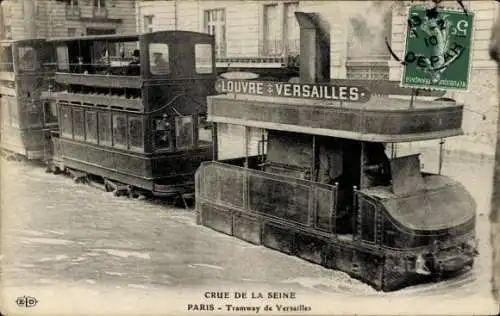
(438, 49)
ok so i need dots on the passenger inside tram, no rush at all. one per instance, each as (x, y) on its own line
(376, 165)
(133, 68)
(160, 65)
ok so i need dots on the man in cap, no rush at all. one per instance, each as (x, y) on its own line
(133, 68)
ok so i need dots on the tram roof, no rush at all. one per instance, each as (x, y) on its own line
(381, 119)
(119, 37)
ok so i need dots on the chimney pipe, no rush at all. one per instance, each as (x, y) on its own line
(314, 48)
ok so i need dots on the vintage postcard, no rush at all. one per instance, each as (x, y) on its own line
(295, 157)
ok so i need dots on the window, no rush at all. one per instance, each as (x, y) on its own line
(271, 45)
(367, 221)
(204, 132)
(148, 23)
(49, 112)
(91, 126)
(228, 141)
(162, 133)
(67, 122)
(203, 56)
(62, 58)
(104, 129)
(28, 60)
(136, 138)
(78, 124)
(72, 10)
(291, 29)
(158, 59)
(368, 57)
(100, 9)
(99, 3)
(119, 131)
(184, 131)
(215, 24)
(71, 32)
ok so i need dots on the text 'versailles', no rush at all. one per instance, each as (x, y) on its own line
(295, 90)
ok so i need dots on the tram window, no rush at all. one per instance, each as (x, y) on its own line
(91, 126)
(136, 139)
(204, 132)
(50, 112)
(78, 124)
(27, 58)
(162, 133)
(367, 221)
(62, 58)
(119, 131)
(184, 131)
(67, 127)
(158, 59)
(104, 129)
(203, 56)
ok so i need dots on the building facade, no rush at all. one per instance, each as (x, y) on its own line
(21, 19)
(258, 30)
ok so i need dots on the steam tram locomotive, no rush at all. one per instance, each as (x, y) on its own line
(132, 110)
(311, 178)
(25, 72)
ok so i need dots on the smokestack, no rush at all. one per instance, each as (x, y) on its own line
(314, 48)
(29, 19)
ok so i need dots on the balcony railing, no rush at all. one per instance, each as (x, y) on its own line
(375, 67)
(275, 53)
(280, 48)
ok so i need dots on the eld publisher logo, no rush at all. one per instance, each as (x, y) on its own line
(26, 301)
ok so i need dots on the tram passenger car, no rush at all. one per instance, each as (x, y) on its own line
(311, 178)
(133, 109)
(26, 119)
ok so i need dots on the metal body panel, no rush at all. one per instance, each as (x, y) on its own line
(158, 173)
(226, 202)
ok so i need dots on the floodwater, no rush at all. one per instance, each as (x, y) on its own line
(79, 250)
